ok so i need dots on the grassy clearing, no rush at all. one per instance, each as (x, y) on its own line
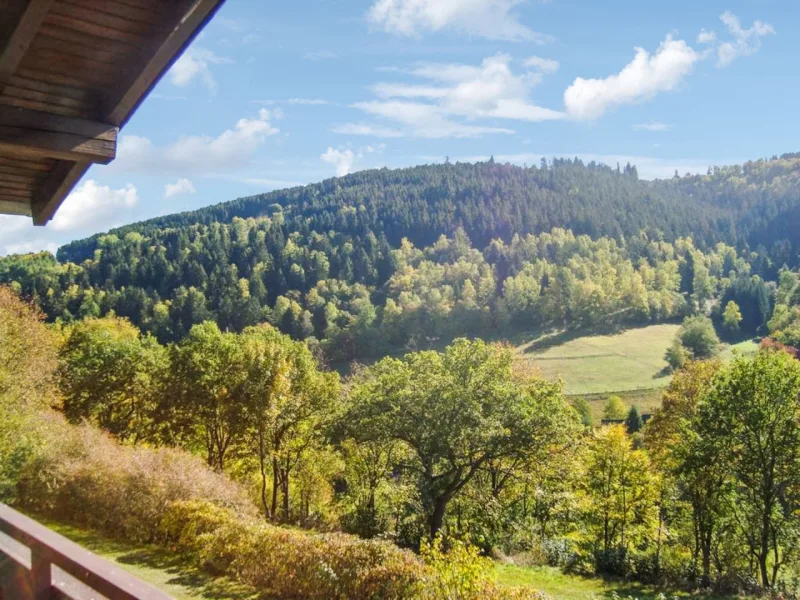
(561, 586)
(626, 361)
(156, 566)
(645, 400)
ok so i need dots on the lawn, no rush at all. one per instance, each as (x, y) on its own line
(561, 586)
(156, 566)
(624, 361)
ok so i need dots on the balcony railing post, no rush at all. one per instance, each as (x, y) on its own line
(41, 576)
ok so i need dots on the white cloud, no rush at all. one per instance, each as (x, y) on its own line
(745, 41)
(641, 79)
(181, 186)
(706, 37)
(344, 159)
(341, 158)
(492, 19)
(202, 154)
(91, 204)
(451, 99)
(366, 129)
(195, 63)
(545, 65)
(652, 126)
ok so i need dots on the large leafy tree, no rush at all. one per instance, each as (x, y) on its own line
(694, 463)
(456, 412)
(286, 400)
(112, 375)
(204, 406)
(752, 410)
(620, 492)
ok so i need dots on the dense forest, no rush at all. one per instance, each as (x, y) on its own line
(382, 261)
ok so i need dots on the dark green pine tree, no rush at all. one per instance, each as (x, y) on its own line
(633, 422)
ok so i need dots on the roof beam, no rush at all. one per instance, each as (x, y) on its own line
(21, 38)
(55, 189)
(7, 207)
(33, 134)
(188, 19)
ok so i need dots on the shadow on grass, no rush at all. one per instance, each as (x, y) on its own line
(142, 560)
(185, 575)
(562, 337)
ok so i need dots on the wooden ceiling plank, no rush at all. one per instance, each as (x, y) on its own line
(95, 29)
(55, 189)
(26, 165)
(64, 111)
(119, 49)
(62, 91)
(14, 91)
(30, 119)
(33, 143)
(21, 38)
(99, 17)
(12, 192)
(15, 177)
(162, 53)
(119, 9)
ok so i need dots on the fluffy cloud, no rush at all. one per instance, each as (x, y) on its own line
(492, 19)
(745, 41)
(545, 65)
(202, 154)
(450, 95)
(195, 63)
(651, 126)
(344, 159)
(641, 79)
(91, 204)
(181, 186)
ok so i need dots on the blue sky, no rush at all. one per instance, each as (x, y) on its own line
(274, 94)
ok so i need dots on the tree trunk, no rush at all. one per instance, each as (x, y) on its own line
(437, 516)
(275, 484)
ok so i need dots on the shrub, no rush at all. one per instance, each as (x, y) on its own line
(285, 563)
(698, 336)
(81, 475)
(677, 356)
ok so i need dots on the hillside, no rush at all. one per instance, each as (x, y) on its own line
(489, 249)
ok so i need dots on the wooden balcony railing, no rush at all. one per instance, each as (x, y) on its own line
(39, 564)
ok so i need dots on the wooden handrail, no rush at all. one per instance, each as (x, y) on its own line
(43, 565)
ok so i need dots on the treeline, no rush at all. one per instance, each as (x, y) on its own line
(754, 205)
(357, 297)
(459, 445)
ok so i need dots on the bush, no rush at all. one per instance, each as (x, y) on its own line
(81, 475)
(698, 336)
(677, 356)
(284, 563)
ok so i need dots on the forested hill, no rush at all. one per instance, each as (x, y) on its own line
(488, 200)
(489, 249)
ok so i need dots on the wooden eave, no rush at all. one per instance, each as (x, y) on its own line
(72, 72)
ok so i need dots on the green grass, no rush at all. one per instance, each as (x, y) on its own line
(561, 586)
(156, 566)
(625, 361)
(628, 363)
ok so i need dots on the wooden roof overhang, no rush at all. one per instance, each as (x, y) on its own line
(72, 72)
